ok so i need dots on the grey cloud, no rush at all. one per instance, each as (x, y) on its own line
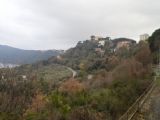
(46, 24)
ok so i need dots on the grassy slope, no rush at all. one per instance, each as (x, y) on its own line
(54, 73)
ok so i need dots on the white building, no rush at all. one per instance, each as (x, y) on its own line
(101, 42)
(24, 76)
(144, 37)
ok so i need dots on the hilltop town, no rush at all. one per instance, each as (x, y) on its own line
(112, 45)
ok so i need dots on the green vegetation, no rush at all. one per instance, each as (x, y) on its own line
(53, 73)
(50, 93)
(154, 43)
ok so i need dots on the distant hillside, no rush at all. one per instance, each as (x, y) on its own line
(91, 55)
(10, 55)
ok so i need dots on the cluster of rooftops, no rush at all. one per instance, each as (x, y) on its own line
(114, 44)
(119, 42)
(100, 38)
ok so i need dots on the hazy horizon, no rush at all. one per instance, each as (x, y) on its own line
(52, 24)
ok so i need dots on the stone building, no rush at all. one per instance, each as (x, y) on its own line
(100, 40)
(123, 42)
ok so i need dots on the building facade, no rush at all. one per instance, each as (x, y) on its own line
(144, 37)
(123, 42)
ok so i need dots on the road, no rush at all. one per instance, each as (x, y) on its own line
(74, 73)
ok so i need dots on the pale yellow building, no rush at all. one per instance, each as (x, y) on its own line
(144, 37)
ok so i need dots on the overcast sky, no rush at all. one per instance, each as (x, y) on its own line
(60, 24)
